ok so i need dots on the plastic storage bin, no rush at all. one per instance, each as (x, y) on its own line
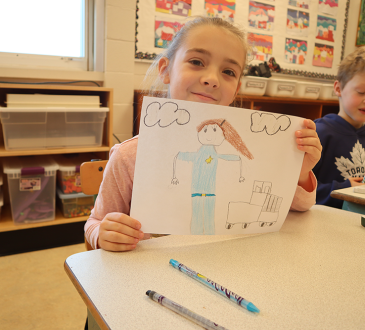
(40, 128)
(74, 205)
(327, 92)
(307, 90)
(32, 188)
(252, 85)
(280, 87)
(68, 174)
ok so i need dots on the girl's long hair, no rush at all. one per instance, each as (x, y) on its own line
(230, 134)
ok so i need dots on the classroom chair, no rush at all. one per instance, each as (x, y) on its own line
(91, 175)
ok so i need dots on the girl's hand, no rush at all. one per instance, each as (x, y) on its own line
(119, 232)
(308, 141)
(356, 182)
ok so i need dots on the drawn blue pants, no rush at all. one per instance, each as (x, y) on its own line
(203, 207)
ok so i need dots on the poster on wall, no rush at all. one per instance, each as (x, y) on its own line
(224, 9)
(181, 7)
(297, 23)
(262, 49)
(323, 55)
(261, 16)
(164, 31)
(328, 7)
(295, 51)
(316, 29)
(300, 3)
(326, 28)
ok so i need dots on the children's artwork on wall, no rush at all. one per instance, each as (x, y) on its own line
(224, 9)
(208, 169)
(295, 51)
(176, 7)
(165, 31)
(328, 7)
(261, 46)
(326, 28)
(312, 21)
(297, 22)
(261, 16)
(300, 3)
(323, 55)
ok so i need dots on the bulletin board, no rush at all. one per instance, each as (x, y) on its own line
(306, 37)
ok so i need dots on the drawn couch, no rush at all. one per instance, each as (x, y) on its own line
(262, 208)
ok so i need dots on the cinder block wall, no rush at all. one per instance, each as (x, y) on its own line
(120, 17)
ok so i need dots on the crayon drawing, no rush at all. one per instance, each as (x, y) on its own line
(261, 46)
(329, 7)
(203, 169)
(176, 7)
(326, 28)
(323, 55)
(211, 133)
(295, 51)
(297, 22)
(261, 16)
(165, 31)
(300, 3)
(224, 9)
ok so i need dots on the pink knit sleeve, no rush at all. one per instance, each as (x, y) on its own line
(304, 200)
(116, 188)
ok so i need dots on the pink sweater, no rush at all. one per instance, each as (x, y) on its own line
(116, 189)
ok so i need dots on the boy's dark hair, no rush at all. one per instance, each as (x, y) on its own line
(351, 65)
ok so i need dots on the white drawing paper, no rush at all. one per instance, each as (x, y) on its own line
(208, 169)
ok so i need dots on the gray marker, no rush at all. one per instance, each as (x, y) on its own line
(202, 321)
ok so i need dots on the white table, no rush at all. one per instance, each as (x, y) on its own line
(309, 275)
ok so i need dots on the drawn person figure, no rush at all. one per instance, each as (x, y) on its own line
(211, 133)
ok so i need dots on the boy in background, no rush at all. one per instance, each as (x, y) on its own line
(342, 136)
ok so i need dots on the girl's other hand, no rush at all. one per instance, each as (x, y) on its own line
(119, 232)
(308, 141)
(356, 182)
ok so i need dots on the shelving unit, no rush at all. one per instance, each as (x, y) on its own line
(306, 108)
(7, 227)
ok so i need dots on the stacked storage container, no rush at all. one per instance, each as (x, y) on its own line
(32, 188)
(70, 198)
(37, 121)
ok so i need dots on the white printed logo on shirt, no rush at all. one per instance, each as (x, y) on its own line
(354, 168)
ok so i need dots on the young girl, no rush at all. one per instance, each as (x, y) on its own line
(203, 63)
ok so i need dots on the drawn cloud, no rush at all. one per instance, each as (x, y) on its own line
(269, 123)
(165, 114)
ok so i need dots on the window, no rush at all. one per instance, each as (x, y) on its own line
(48, 33)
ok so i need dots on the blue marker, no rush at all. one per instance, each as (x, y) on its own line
(215, 286)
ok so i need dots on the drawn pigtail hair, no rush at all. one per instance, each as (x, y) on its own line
(234, 139)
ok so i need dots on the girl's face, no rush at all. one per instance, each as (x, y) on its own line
(211, 135)
(206, 68)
